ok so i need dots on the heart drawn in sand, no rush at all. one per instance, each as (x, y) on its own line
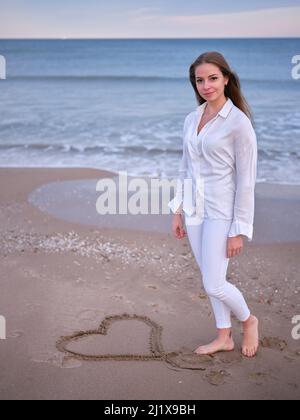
(184, 359)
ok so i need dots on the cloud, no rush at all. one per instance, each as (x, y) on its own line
(279, 22)
(145, 11)
(146, 22)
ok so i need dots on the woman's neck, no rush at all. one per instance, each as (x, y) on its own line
(215, 106)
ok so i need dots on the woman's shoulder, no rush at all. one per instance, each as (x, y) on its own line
(191, 114)
(190, 117)
(239, 118)
(242, 127)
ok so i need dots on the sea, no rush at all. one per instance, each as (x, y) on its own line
(120, 105)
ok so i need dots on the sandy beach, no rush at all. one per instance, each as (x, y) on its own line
(61, 278)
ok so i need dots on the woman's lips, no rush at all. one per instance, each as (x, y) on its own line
(207, 94)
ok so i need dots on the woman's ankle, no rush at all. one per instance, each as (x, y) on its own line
(224, 333)
(249, 320)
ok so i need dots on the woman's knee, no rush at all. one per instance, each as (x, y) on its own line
(214, 291)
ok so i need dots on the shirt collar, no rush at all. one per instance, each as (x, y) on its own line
(224, 111)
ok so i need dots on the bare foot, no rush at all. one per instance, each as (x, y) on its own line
(251, 337)
(220, 344)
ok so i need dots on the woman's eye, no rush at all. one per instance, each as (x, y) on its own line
(213, 78)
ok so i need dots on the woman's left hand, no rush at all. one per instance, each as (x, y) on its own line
(234, 246)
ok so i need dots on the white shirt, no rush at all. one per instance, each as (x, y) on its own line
(219, 165)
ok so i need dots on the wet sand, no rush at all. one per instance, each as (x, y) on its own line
(277, 209)
(59, 277)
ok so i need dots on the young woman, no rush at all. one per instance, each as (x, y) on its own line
(220, 157)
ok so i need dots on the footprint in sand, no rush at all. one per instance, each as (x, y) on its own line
(189, 360)
(260, 378)
(228, 358)
(274, 343)
(217, 377)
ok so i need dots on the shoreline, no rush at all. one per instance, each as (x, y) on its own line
(276, 220)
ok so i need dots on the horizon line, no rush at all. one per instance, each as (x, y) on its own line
(148, 38)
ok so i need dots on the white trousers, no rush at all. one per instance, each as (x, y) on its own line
(208, 241)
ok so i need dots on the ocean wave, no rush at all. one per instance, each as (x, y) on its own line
(266, 154)
(92, 149)
(95, 78)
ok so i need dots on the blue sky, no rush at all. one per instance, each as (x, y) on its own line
(149, 18)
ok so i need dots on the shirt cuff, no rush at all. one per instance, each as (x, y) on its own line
(241, 228)
(179, 207)
(176, 205)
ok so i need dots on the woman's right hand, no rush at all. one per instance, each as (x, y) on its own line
(177, 226)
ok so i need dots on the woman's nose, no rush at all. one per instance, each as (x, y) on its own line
(206, 85)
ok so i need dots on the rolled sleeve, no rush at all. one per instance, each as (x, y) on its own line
(246, 171)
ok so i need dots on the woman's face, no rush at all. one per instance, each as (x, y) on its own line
(210, 82)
